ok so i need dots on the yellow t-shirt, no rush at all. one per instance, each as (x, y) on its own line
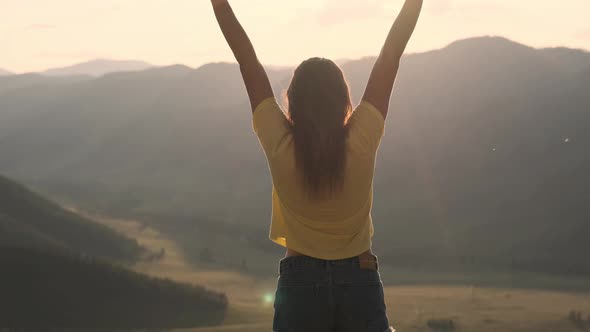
(334, 228)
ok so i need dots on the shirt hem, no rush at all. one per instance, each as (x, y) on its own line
(319, 256)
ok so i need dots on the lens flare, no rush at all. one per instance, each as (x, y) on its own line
(268, 298)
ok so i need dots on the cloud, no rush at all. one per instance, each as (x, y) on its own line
(582, 34)
(71, 55)
(485, 7)
(439, 6)
(339, 11)
(445, 6)
(342, 11)
(40, 26)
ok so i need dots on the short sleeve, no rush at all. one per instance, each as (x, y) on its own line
(366, 127)
(270, 125)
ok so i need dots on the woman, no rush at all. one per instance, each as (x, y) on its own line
(321, 156)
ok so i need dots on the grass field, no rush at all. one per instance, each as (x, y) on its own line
(409, 307)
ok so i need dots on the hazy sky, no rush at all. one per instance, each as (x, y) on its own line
(38, 34)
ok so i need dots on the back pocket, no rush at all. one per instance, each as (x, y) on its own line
(301, 308)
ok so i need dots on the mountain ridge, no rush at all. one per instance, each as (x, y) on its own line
(52, 260)
(114, 66)
(45, 284)
(474, 157)
(98, 67)
(29, 220)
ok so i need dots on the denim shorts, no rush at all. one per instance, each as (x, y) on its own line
(316, 295)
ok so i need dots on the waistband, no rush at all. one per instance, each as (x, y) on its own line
(304, 262)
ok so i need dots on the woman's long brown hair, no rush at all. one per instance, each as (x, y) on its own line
(319, 108)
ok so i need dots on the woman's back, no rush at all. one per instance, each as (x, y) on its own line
(339, 224)
(322, 160)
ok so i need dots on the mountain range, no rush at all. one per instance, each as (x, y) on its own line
(94, 68)
(99, 67)
(484, 159)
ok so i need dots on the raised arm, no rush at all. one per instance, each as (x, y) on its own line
(253, 73)
(380, 85)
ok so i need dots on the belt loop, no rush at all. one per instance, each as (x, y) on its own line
(369, 264)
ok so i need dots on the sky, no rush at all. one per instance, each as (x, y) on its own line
(40, 34)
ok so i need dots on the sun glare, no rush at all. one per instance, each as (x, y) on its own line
(268, 299)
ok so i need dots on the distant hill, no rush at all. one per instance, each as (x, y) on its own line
(42, 290)
(484, 159)
(4, 72)
(54, 261)
(29, 220)
(98, 67)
